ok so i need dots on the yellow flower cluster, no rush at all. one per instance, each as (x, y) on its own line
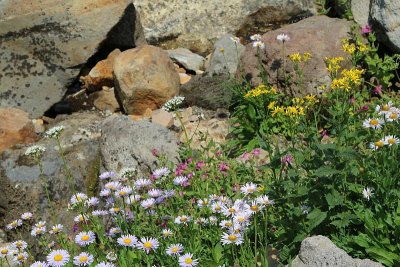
(260, 90)
(351, 48)
(298, 108)
(297, 57)
(349, 78)
(333, 64)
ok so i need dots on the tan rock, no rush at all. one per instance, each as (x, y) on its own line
(101, 74)
(162, 117)
(15, 128)
(184, 78)
(105, 100)
(38, 124)
(147, 113)
(144, 77)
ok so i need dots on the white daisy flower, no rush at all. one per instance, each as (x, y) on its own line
(169, 193)
(367, 193)
(283, 38)
(115, 210)
(376, 145)
(147, 244)
(392, 115)
(36, 231)
(58, 258)
(148, 203)
(213, 220)
(92, 202)
(259, 44)
(255, 206)
(217, 207)
(248, 188)
(114, 185)
(124, 191)
(242, 218)
(174, 249)
(127, 241)
(20, 244)
(255, 37)
(167, 233)
(155, 192)
(140, 183)
(107, 175)
(180, 180)
(14, 224)
(264, 200)
(203, 202)
(158, 173)
(81, 218)
(235, 39)
(55, 132)
(391, 140)
(384, 109)
(132, 199)
(105, 264)
(114, 231)
(226, 224)
(374, 123)
(183, 219)
(26, 216)
(40, 224)
(78, 198)
(105, 192)
(201, 221)
(83, 259)
(232, 238)
(85, 238)
(4, 251)
(39, 264)
(187, 260)
(56, 229)
(231, 211)
(35, 151)
(127, 173)
(100, 213)
(20, 257)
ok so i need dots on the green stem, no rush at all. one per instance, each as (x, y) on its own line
(66, 169)
(46, 189)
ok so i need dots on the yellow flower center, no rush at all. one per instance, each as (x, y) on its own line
(127, 241)
(14, 223)
(393, 116)
(174, 249)
(241, 219)
(122, 193)
(4, 251)
(56, 229)
(379, 143)
(231, 210)
(58, 257)
(227, 224)
(167, 234)
(78, 198)
(218, 207)
(83, 258)
(188, 260)
(18, 244)
(386, 107)
(183, 219)
(20, 257)
(148, 244)
(232, 238)
(374, 122)
(254, 208)
(85, 238)
(391, 141)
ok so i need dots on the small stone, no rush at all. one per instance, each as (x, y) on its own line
(184, 78)
(187, 59)
(162, 117)
(105, 100)
(38, 124)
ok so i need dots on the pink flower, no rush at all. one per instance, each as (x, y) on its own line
(199, 165)
(245, 156)
(378, 89)
(364, 108)
(155, 152)
(287, 160)
(189, 160)
(219, 153)
(256, 151)
(352, 100)
(223, 167)
(366, 29)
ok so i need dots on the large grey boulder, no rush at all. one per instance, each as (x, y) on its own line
(44, 44)
(385, 19)
(128, 144)
(197, 24)
(320, 251)
(21, 188)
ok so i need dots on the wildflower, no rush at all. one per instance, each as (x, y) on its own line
(132, 199)
(105, 264)
(127, 240)
(154, 151)
(242, 217)
(123, 191)
(264, 200)
(105, 192)
(348, 47)
(115, 210)
(81, 218)
(287, 160)
(213, 220)
(78, 198)
(201, 221)
(39, 264)
(85, 238)
(99, 213)
(378, 90)
(384, 109)
(255, 37)
(26, 216)
(127, 173)
(225, 223)
(111, 256)
(282, 38)
(259, 90)
(107, 175)
(4, 251)
(232, 238)
(255, 206)
(271, 105)
(374, 123)
(333, 65)
(248, 188)
(187, 260)
(367, 193)
(140, 183)
(56, 229)
(305, 209)
(147, 244)
(392, 115)
(92, 202)
(391, 140)
(155, 192)
(35, 151)
(278, 110)
(376, 145)
(55, 132)
(14, 224)
(58, 258)
(158, 173)
(180, 180)
(114, 231)
(83, 259)
(366, 29)
(236, 40)
(296, 57)
(183, 219)
(20, 244)
(223, 167)
(38, 231)
(20, 257)
(167, 233)
(114, 186)
(148, 203)
(217, 207)
(362, 47)
(230, 211)
(173, 104)
(259, 44)
(174, 249)
(306, 56)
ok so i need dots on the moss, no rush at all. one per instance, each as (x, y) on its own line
(92, 180)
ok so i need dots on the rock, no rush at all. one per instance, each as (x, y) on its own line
(326, 35)
(320, 251)
(38, 124)
(207, 92)
(225, 62)
(101, 74)
(15, 128)
(360, 10)
(21, 185)
(185, 57)
(385, 19)
(144, 77)
(162, 117)
(127, 143)
(45, 43)
(184, 78)
(105, 100)
(197, 24)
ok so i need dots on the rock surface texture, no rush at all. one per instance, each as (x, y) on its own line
(44, 44)
(319, 35)
(15, 128)
(320, 251)
(144, 77)
(196, 24)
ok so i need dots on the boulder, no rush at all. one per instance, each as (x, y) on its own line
(105, 100)
(320, 251)
(360, 11)
(162, 117)
(21, 187)
(128, 143)
(225, 56)
(44, 44)
(207, 92)
(15, 128)
(187, 59)
(101, 74)
(144, 77)
(197, 24)
(385, 19)
(319, 35)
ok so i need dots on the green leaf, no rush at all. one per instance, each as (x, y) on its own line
(362, 240)
(334, 199)
(316, 217)
(325, 171)
(382, 255)
(217, 252)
